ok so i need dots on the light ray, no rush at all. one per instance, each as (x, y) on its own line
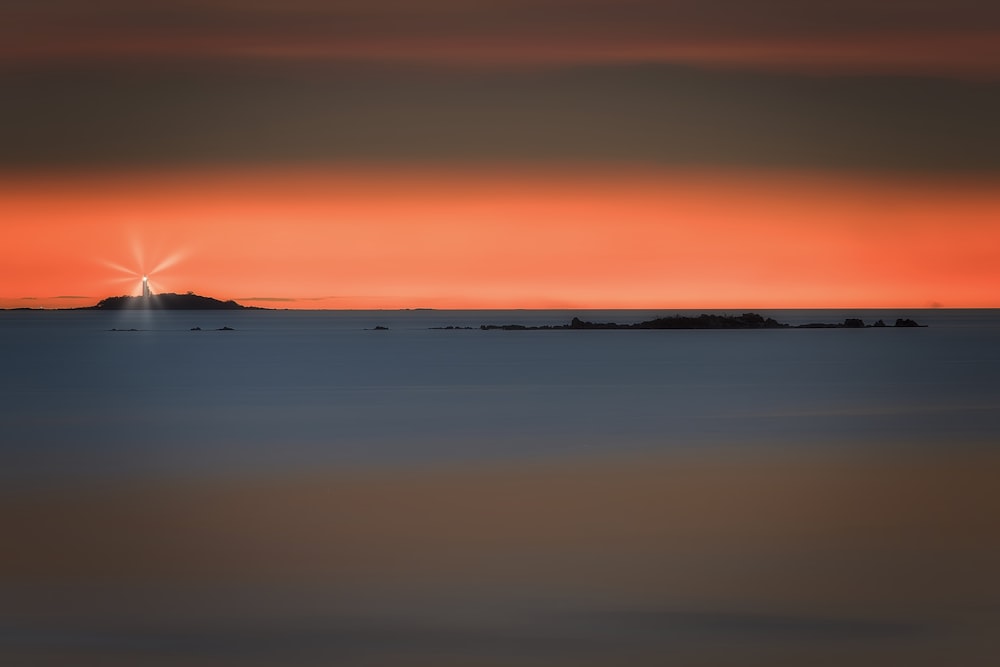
(133, 277)
(117, 267)
(170, 260)
(138, 255)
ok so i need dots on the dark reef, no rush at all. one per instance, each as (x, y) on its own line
(168, 301)
(703, 321)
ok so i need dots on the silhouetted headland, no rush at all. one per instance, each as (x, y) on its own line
(703, 321)
(168, 301)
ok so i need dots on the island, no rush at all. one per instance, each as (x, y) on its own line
(703, 321)
(168, 301)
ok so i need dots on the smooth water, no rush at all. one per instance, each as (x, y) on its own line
(306, 491)
(289, 388)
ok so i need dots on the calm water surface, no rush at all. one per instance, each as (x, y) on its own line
(304, 490)
(318, 388)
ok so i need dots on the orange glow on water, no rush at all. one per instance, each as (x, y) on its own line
(380, 237)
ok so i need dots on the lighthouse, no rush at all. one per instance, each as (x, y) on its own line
(145, 286)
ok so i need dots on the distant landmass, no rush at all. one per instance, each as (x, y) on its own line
(703, 321)
(168, 301)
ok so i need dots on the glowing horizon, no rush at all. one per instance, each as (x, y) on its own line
(627, 237)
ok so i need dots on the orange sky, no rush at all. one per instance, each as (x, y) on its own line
(502, 237)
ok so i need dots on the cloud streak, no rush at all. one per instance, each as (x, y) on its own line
(956, 38)
(131, 114)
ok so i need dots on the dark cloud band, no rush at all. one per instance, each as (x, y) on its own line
(957, 37)
(170, 114)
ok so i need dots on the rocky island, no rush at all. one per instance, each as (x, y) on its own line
(168, 301)
(703, 321)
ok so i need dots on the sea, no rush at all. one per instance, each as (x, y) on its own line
(138, 392)
(281, 487)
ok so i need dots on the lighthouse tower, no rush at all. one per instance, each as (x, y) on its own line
(145, 287)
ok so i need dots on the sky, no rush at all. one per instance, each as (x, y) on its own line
(502, 154)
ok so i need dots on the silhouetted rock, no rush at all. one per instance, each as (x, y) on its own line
(703, 321)
(706, 321)
(514, 327)
(855, 323)
(168, 301)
